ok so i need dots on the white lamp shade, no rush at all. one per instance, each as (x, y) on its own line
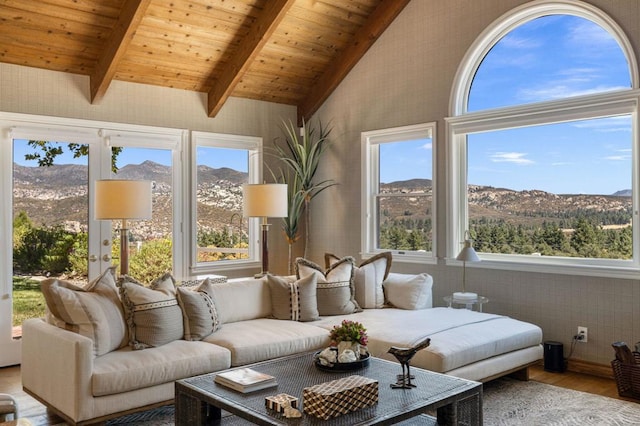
(265, 200)
(122, 199)
(468, 254)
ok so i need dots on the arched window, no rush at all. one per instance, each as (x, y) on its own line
(548, 58)
(544, 109)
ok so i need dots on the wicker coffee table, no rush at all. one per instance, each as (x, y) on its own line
(199, 400)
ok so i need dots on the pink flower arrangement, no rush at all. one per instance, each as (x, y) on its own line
(349, 331)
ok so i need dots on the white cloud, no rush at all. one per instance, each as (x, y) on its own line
(618, 157)
(589, 34)
(511, 157)
(427, 146)
(562, 90)
(514, 42)
(606, 125)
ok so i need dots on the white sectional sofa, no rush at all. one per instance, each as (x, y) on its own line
(61, 369)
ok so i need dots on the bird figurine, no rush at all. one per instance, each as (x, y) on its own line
(404, 355)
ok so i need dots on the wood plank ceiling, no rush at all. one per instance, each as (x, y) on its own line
(294, 52)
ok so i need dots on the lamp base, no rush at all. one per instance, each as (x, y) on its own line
(464, 296)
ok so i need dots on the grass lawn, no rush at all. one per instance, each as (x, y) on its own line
(28, 301)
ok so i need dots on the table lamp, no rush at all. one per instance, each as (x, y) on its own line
(264, 200)
(468, 254)
(123, 200)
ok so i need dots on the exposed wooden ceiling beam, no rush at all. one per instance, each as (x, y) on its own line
(379, 20)
(116, 46)
(273, 12)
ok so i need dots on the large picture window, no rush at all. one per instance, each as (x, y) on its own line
(542, 167)
(399, 192)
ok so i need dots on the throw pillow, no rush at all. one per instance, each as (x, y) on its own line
(199, 313)
(94, 310)
(408, 291)
(335, 288)
(153, 314)
(368, 278)
(293, 300)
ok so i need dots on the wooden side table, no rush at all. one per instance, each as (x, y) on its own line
(468, 304)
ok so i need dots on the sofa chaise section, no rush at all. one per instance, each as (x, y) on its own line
(462, 341)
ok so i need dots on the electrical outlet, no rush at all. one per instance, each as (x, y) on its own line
(583, 334)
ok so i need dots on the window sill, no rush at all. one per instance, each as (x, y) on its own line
(400, 256)
(625, 270)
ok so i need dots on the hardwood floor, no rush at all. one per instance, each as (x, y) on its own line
(577, 381)
(37, 414)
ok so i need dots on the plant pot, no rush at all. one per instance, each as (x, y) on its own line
(353, 346)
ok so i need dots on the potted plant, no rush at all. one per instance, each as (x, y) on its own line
(301, 154)
(350, 335)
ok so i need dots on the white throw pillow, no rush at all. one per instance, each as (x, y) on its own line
(408, 291)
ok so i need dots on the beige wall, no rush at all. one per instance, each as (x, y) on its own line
(406, 78)
(34, 91)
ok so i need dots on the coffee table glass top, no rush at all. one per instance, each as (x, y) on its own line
(294, 373)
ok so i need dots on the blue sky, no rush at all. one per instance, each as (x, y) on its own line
(128, 156)
(552, 57)
(405, 160)
(213, 157)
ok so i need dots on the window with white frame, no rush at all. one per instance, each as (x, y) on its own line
(222, 164)
(542, 144)
(398, 196)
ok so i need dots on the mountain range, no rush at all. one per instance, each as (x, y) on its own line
(58, 195)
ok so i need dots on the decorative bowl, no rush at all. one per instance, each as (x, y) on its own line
(341, 366)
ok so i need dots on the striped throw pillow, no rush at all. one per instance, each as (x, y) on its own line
(93, 311)
(293, 300)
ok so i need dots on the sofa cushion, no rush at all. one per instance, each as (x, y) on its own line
(93, 311)
(199, 313)
(265, 338)
(153, 314)
(368, 278)
(408, 291)
(242, 300)
(293, 299)
(335, 289)
(126, 369)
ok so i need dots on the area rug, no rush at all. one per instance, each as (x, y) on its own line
(507, 402)
(511, 402)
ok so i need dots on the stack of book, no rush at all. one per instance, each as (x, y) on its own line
(245, 380)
